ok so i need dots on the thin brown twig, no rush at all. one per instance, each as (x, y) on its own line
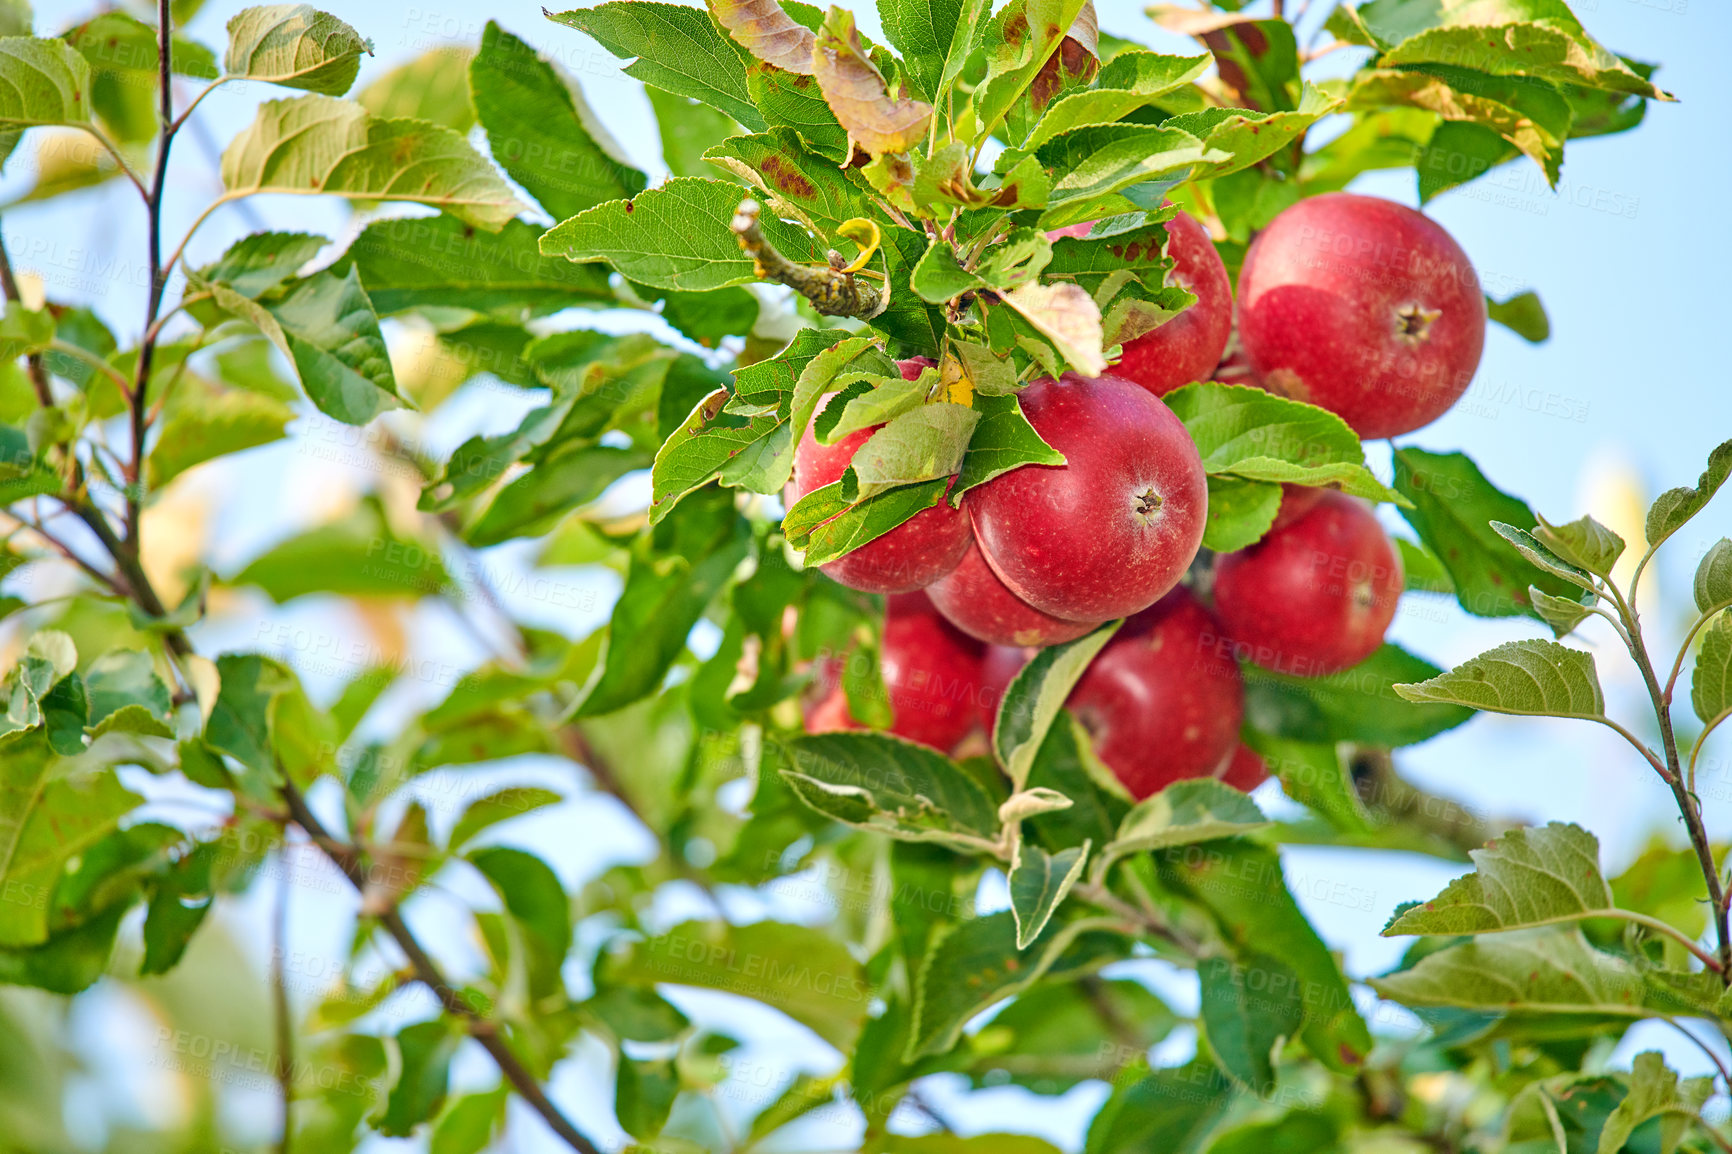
(833, 293)
(484, 1030)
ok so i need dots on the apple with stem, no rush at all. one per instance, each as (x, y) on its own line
(1112, 529)
(1364, 307)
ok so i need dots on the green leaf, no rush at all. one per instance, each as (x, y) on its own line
(700, 448)
(1523, 315)
(678, 50)
(928, 34)
(978, 965)
(1528, 877)
(204, 419)
(1247, 1010)
(862, 521)
(470, 1124)
(1039, 882)
(644, 1093)
(1551, 49)
(422, 90)
(116, 43)
(1357, 704)
(562, 481)
(500, 805)
(1453, 507)
(358, 555)
(1241, 885)
(24, 330)
(637, 1014)
(1542, 556)
(1033, 699)
(1245, 432)
(46, 82)
(425, 1051)
(296, 46)
(1532, 678)
(47, 819)
(533, 896)
(1018, 41)
(1713, 582)
(1673, 508)
(1184, 813)
(1129, 81)
(1314, 775)
(1173, 1111)
(440, 262)
(542, 132)
(802, 971)
(1711, 680)
(1655, 1093)
(664, 598)
(688, 129)
(1090, 164)
(1250, 137)
(676, 236)
(68, 962)
(879, 782)
(796, 183)
(330, 330)
(1583, 542)
(1240, 512)
(1563, 614)
(126, 678)
(923, 444)
(1003, 440)
(792, 101)
(317, 145)
(1546, 971)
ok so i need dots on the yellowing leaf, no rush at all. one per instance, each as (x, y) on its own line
(767, 32)
(1067, 316)
(314, 144)
(877, 120)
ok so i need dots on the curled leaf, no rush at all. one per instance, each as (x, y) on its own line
(876, 119)
(863, 233)
(767, 32)
(1067, 316)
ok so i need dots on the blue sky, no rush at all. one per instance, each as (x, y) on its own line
(1626, 399)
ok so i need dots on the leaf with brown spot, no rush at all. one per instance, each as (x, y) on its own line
(762, 28)
(876, 119)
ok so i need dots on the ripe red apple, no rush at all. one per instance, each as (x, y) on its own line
(931, 670)
(1188, 347)
(1164, 699)
(1246, 771)
(1315, 597)
(911, 556)
(1109, 531)
(1364, 307)
(1296, 501)
(974, 600)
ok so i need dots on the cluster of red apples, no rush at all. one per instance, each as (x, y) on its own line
(1358, 305)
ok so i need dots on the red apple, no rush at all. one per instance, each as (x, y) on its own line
(1109, 531)
(931, 670)
(1315, 597)
(1188, 347)
(975, 601)
(1164, 699)
(1246, 771)
(1364, 307)
(911, 556)
(1296, 501)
